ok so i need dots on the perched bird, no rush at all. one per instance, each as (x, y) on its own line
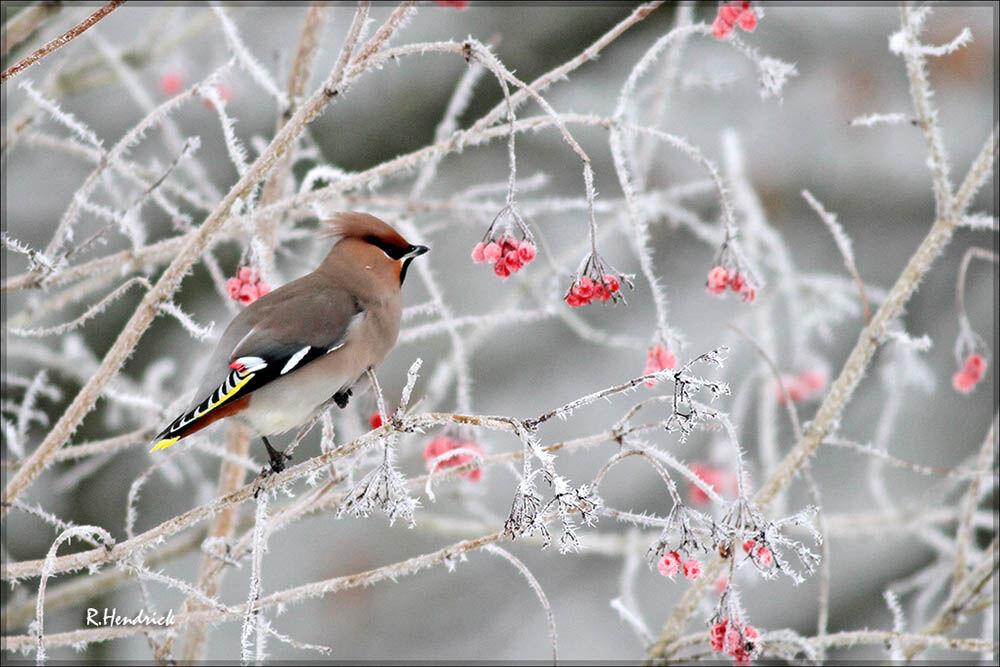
(292, 350)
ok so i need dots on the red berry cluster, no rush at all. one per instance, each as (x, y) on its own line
(802, 387)
(719, 278)
(739, 642)
(658, 358)
(671, 564)
(732, 14)
(247, 286)
(972, 372)
(506, 254)
(586, 289)
(718, 479)
(760, 554)
(442, 444)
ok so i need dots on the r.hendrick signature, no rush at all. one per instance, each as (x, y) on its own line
(112, 618)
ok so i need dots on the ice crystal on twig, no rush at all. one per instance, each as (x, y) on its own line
(686, 412)
(384, 489)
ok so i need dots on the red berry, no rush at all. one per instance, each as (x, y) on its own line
(501, 269)
(748, 20)
(748, 545)
(512, 259)
(720, 28)
(964, 382)
(248, 293)
(478, 255)
(492, 252)
(813, 379)
(584, 288)
(734, 642)
(763, 555)
(376, 421)
(692, 569)
(974, 365)
(526, 251)
(670, 564)
(718, 278)
(171, 83)
(247, 274)
(717, 635)
(729, 13)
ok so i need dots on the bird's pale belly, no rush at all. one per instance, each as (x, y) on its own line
(285, 403)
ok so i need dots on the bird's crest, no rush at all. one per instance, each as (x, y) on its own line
(363, 226)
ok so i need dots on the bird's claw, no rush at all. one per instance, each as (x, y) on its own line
(342, 397)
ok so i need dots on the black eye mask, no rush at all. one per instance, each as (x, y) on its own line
(405, 253)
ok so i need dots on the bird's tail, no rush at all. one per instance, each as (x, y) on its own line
(228, 399)
(175, 431)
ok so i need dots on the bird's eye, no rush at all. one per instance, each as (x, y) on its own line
(393, 252)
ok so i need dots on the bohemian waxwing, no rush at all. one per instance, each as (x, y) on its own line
(293, 349)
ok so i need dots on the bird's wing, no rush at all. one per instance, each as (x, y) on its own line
(275, 335)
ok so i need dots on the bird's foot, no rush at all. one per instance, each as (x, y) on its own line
(277, 458)
(341, 398)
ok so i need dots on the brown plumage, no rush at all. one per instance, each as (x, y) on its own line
(293, 349)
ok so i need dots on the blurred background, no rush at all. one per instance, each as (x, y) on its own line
(875, 179)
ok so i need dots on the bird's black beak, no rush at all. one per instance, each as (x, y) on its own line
(411, 252)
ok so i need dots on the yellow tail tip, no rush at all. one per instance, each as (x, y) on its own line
(163, 444)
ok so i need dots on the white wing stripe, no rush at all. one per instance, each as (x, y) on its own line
(252, 364)
(242, 340)
(296, 358)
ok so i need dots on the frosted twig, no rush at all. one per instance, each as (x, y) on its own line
(899, 463)
(252, 618)
(64, 536)
(898, 622)
(96, 309)
(298, 77)
(964, 532)
(237, 153)
(459, 102)
(873, 119)
(902, 43)
(171, 278)
(197, 331)
(641, 239)
(967, 340)
(905, 42)
(843, 387)
(559, 73)
(246, 59)
(843, 244)
(61, 40)
(954, 609)
(536, 587)
(65, 118)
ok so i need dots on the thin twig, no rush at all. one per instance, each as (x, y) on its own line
(61, 40)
